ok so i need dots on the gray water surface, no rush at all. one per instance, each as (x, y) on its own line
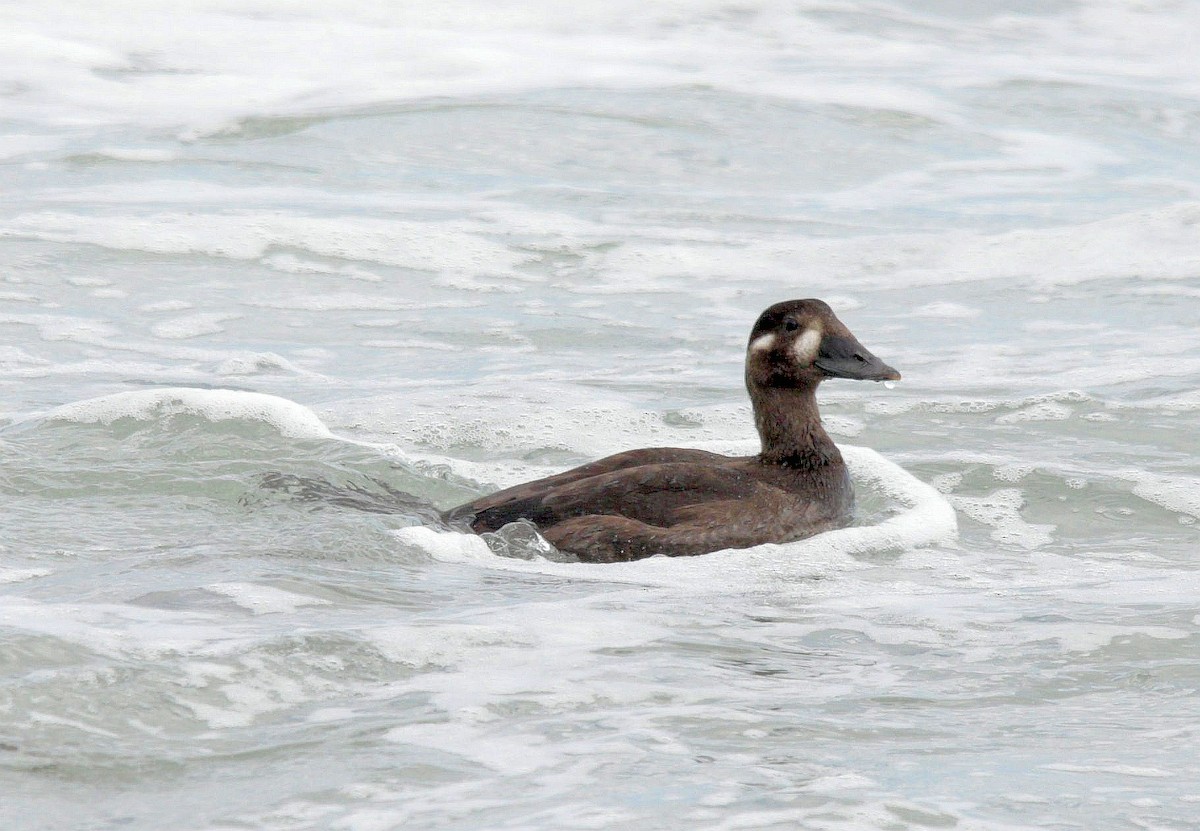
(447, 248)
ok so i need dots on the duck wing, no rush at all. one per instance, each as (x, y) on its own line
(633, 485)
(676, 510)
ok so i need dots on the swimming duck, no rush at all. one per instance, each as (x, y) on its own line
(681, 502)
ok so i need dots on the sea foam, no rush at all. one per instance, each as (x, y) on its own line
(289, 418)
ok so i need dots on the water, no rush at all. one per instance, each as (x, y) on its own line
(449, 247)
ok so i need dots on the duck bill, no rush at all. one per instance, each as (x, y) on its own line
(845, 357)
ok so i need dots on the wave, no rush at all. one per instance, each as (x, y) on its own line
(906, 513)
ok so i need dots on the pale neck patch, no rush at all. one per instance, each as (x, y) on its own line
(763, 343)
(806, 346)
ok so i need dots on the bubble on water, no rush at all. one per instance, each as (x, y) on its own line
(1001, 510)
(521, 540)
(889, 385)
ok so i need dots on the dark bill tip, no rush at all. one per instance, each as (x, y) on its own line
(889, 374)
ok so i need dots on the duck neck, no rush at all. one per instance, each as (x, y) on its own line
(790, 427)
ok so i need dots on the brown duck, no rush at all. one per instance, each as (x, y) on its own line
(681, 502)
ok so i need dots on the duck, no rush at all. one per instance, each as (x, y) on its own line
(681, 502)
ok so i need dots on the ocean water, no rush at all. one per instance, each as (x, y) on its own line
(442, 247)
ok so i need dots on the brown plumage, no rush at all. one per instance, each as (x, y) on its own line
(681, 502)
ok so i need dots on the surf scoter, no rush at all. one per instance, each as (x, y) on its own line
(681, 502)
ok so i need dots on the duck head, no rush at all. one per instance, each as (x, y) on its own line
(799, 343)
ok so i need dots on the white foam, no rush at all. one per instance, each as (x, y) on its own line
(1012, 472)
(226, 697)
(838, 783)
(582, 420)
(338, 301)
(165, 306)
(446, 546)
(119, 630)
(18, 297)
(1044, 411)
(1155, 244)
(1180, 494)
(210, 64)
(263, 600)
(445, 246)
(289, 418)
(843, 426)
(10, 355)
(65, 328)
(927, 519)
(291, 264)
(947, 310)
(192, 326)
(257, 363)
(21, 575)
(418, 344)
(1001, 510)
(446, 645)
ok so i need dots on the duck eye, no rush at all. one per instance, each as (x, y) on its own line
(791, 325)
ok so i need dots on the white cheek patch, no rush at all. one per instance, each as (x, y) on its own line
(806, 346)
(763, 343)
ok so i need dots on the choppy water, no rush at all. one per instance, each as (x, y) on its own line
(448, 247)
